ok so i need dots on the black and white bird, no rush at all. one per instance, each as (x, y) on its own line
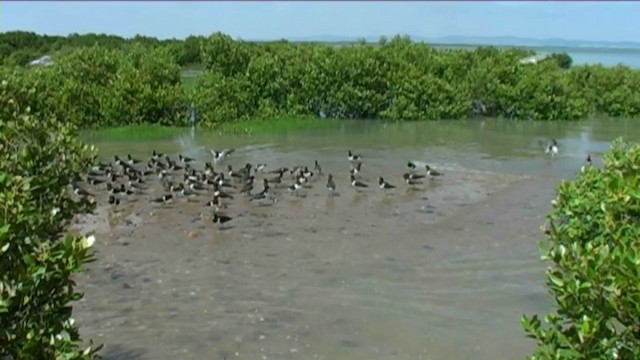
(220, 219)
(357, 184)
(587, 163)
(551, 147)
(354, 157)
(219, 156)
(164, 199)
(412, 180)
(385, 185)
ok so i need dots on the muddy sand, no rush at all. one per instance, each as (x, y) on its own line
(440, 273)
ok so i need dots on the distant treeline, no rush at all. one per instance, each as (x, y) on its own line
(20, 47)
(138, 80)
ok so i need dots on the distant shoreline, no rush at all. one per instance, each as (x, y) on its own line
(549, 48)
(468, 41)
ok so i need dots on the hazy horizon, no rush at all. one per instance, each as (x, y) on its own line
(568, 21)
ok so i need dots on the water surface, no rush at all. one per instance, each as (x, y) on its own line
(443, 272)
(607, 56)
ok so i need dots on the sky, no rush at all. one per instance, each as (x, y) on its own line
(262, 20)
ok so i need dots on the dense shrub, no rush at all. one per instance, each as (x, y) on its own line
(39, 155)
(97, 86)
(563, 60)
(594, 247)
(401, 80)
(219, 99)
(137, 80)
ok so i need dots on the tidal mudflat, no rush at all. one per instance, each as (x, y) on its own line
(444, 271)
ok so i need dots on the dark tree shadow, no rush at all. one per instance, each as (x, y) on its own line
(119, 352)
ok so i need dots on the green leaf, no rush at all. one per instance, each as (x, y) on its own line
(556, 280)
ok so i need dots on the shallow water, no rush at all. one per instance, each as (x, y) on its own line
(443, 272)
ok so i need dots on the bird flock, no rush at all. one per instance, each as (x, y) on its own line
(217, 182)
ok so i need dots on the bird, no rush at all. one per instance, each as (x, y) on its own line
(262, 194)
(306, 173)
(187, 193)
(221, 181)
(94, 182)
(317, 168)
(234, 174)
(431, 172)
(81, 192)
(552, 148)
(295, 187)
(185, 159)
(354, 157)
(113, 201)
(156, 155)
(209, 170)
(222, 194)
(411, 180)
(219, 156)
(385, 185)
(196, 186)
(174, 167)
(164, 199)
(587, 163)
(414, 176)
(331, 185)
(131, 160)
(411, 165)
(248, 186)
(112, 190)
(136, 186)
(356, 183)
(356, 168)
(126, 191)
(220, 219)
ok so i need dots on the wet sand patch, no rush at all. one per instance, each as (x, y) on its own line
(291, 265)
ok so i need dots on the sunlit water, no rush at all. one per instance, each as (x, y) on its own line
(440, 273)
(581, 55)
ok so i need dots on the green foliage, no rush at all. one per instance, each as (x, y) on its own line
(221, 54)
(97, 87)
(563, 60)
(134, 81)
(219, 99)
(594, 246)
(397, 80)
(20, 47)
(190, 53)
(38, 157)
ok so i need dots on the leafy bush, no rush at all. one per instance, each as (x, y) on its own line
(38, 158)
(220, 53)
(563, 60)
(594, 246)
(400, 80)
(103, 80)
(97, 87)
(219, 99)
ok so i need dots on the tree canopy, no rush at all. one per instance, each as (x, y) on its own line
(105, 80)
